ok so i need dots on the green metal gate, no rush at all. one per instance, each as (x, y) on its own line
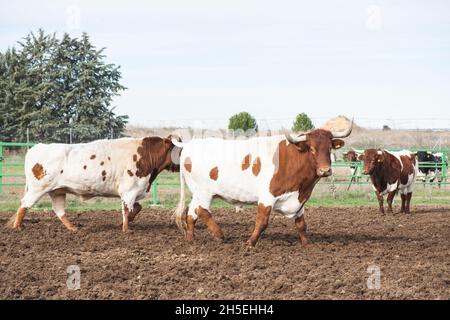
(11, 163)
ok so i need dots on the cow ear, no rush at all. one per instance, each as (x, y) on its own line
(337, 143)
(361, 157)
(302, 146)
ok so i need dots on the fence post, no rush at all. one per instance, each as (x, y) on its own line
(1, 167)
(155, 192)
(444, 169)
(360, 177)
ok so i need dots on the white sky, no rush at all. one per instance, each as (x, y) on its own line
(198, 62)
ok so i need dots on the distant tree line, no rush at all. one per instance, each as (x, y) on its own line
(51, 86)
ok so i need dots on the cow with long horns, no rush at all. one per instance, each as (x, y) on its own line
(278, 173)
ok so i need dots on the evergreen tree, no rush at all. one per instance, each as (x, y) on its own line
(52, 86)
(302, 123)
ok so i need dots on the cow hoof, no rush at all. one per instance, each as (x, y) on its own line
(250, 244)
(304, 243)
(189, 238)
(19, 227)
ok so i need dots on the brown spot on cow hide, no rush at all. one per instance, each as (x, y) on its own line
(256, 168)
(134, 157)
(188, 164)
(294, 171)
(246, 162)
(85, 167)
(102, 163)
(154, 155)
(408, 168)
(130, 173)
(214, 173)
(38, 171)
(61, 171)
(104, 178)
(92, 157)
(109, 158)
(103, 173)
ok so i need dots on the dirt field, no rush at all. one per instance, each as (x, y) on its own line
(153, 262)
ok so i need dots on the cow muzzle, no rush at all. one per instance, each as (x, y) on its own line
(324, 172)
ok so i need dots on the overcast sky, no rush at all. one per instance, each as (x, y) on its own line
(198, 62)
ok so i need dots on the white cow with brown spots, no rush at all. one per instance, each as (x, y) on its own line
(277, 173)
(123, 168)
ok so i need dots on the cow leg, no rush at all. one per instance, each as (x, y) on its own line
(301, 227)
(29, 199)
(402, 210)
(380, 202)
(262, 220)
(408, 202)
(58, 204)
(125, 215)
(207, 219)
(190, 227)
(136, 209)
(390, 198)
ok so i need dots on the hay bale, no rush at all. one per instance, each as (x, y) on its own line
(340, 123)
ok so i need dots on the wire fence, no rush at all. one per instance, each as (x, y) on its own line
(65, 135)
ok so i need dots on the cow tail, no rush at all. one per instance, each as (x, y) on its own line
(179, 211)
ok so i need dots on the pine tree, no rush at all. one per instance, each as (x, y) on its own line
(52, 86)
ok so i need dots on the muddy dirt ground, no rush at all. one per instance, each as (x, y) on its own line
(153, 262)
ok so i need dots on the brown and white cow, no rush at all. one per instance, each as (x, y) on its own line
(276, 173)
(391, 172)
(123, 168)
(352, 155)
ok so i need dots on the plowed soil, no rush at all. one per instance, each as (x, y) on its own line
(412, 253)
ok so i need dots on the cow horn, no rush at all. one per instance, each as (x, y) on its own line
(301, 137)
(177, 142)
(344, 134)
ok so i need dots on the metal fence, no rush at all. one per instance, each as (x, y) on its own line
(352, 176)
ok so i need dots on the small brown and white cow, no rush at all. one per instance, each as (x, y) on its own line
(391, 172)
(123, 168)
